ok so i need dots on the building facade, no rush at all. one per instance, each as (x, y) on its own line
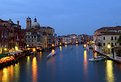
(10, 36)
(106, 38)
(38, 36)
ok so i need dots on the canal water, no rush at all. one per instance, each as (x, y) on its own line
(70, 64)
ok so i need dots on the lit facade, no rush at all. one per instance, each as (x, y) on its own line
(38, 36)
(107, 36)
(10, 36)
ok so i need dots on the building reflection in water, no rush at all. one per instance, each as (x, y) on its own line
(109, 71)
(34, 69)
(85, 63)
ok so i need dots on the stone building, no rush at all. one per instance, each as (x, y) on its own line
(10, 36)
(106, 38)
(38, 36)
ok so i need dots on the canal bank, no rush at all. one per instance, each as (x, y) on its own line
(109, 57)
(70, 64)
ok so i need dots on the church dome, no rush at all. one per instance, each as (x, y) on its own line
(35, 24)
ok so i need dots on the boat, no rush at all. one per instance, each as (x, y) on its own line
(98, 58)
(51, 54)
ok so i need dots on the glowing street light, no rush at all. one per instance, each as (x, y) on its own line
(53, 45)
(33, 49)
(16, 48)
(5, 49)
(108, 46)
(27, 45)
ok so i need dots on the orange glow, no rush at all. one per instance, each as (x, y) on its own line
(33, 49)
(28, 48)
(85, 57)
(5, 77)
(95, 54)
(34, 69)
(85, 63)
(53, 45)
(76, 42)
(53, 51)
(85, 45)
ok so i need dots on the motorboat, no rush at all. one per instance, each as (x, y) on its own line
(98, 58)
(51, 54)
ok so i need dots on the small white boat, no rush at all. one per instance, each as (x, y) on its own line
(51, 54)
(98, 58)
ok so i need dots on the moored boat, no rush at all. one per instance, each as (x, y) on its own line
(51, 54)
(98, 58)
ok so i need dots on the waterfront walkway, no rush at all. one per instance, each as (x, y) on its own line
(115, 58)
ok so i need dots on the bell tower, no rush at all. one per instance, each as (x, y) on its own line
(28, 23)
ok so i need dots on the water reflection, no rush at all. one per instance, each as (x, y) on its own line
(77, 45)
(60, 48)
(34, 69)
(7, 74)
(65, 45)
(17, 71)
(85, 62)
(109, 71)
(40, 54)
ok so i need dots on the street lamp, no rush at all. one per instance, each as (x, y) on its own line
(27, 45)
(16, 48)
(108, 46)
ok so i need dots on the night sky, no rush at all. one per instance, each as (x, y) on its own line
(65, 16)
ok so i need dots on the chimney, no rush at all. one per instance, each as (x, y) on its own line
(17, 22)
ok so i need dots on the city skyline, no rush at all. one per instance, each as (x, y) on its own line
(65, 17)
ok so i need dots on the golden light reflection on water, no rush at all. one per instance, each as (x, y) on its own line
(53, 51)
(40, 54)
(28, 59)
(85, 62)
(17, 71)
(7, 74)
(109, 71)
(28, 63)
(34, 69)
(77, 45)
(5, 77)
(60, 48)
(66, 46)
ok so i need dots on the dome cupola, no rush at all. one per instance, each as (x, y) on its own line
(35, 24)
